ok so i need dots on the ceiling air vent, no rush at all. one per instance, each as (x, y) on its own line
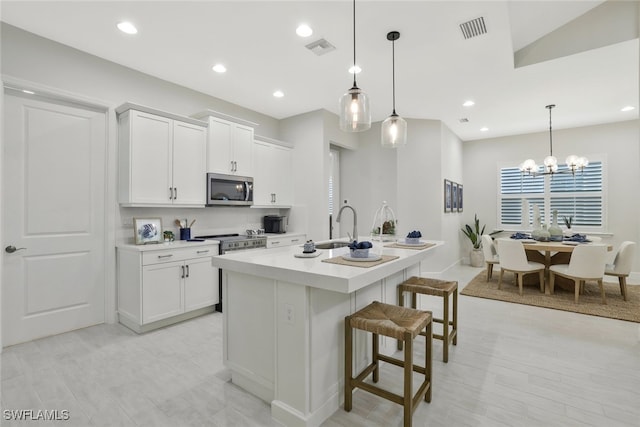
(320, 47)
(473, 28)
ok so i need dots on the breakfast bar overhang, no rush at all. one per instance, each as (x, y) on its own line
(283, 322)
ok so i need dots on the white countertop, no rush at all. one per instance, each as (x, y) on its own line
(176, 244)
(281, 264)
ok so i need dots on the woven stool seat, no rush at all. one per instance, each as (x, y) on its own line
(403, 324)
(390, 320)
(439, 288)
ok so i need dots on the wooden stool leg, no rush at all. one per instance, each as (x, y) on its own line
(428, 359)
(401, 304)
(374, 356)
(604, 296)
(348, 362)
(623, 286)
(445, 329)
(408, 376)
(455, 316)
(414, 300)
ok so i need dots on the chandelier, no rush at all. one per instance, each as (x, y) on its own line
(550, 166)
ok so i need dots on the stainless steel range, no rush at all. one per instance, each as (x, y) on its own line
(232, 243)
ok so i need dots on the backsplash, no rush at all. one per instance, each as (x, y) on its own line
(211, 220)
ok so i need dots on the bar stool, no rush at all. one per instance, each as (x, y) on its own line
(439, 288)
(403, 324)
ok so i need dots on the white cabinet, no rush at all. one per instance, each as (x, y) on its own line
(161, 158)
(229, 147)
(285, 240)
(158, 286)
(273, 181)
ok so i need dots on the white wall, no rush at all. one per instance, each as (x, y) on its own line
(618, 142)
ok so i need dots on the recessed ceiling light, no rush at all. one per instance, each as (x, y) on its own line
(304, 30)
(627, 108)
(484, 129)
(355, 68)
(219, 68)
(278, 94)
(127, 27)
(468, 103)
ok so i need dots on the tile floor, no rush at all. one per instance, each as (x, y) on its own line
(514, 365)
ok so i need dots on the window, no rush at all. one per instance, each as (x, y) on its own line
(579, 196)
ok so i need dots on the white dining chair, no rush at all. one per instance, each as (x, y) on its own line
(490, 254)
(587, 263)
(514, 258)
(622, 264)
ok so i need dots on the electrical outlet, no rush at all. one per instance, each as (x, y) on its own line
(289, 313)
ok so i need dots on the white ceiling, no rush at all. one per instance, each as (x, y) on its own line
(436, 68)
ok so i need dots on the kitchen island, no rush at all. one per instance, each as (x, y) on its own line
(284, 322)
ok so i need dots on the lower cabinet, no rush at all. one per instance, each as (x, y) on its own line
(163, 286)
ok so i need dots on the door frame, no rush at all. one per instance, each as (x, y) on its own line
(51, 94)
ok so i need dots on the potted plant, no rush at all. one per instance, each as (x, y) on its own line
(475, 236)
(568, 221)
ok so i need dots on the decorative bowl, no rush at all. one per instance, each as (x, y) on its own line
(412, 240)
(359, 253)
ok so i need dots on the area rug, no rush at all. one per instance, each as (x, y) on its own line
(589, 303)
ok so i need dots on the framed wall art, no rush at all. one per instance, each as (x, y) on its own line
(447, 195)
(454, 197)
(460, 198)
(147, 230)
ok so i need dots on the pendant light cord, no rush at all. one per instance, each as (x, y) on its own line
(550, 133)
(354, 43)
(393, 73)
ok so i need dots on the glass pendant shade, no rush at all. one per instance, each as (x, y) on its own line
(394, 131)
(355, 115)
(529, 166)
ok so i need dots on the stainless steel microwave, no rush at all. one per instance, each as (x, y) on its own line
(230, 190)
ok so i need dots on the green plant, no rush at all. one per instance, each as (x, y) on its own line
(474, 234)
(568, 220)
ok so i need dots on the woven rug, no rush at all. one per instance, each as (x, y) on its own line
(589, 303)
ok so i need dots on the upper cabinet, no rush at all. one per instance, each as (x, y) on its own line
(162, 158)
(272, 167)
(229, 144)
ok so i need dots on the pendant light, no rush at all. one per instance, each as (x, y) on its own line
(573, 162)
(394, 128)
(355, 115)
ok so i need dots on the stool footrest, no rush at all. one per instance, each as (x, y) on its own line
(400, 363)
(381, 392)
(360, 378)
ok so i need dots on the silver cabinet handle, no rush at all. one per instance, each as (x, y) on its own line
(182, 267)
(11, 249)
(175, 193)
(187, 270)
(202, 252)
(165, 256)
(294, 240)
(275, 243)
(170, 193)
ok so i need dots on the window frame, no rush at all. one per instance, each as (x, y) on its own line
(546, 195)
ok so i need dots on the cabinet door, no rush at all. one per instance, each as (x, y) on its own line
(162, 291)
(242, 150)
(150, 168)
(219, 146)
(263, 172)
(189, 163)
(201, 284)
(281, 173)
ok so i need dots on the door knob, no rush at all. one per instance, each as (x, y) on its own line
(11, 249)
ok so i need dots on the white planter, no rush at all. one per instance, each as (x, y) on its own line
(476, 257)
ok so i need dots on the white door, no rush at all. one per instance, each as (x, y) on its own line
(53, 207)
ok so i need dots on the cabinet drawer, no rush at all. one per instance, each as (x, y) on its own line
(155, 257)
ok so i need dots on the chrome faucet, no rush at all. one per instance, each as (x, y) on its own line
(355, 222)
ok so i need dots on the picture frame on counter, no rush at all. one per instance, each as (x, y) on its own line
(447, 195)
(460, 198)
(147, 230)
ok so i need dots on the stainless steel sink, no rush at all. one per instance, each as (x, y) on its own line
(331, 245)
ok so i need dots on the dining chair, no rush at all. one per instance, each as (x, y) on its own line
(490, 254)
(587, 263)
(622, 264)
(514, 258)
